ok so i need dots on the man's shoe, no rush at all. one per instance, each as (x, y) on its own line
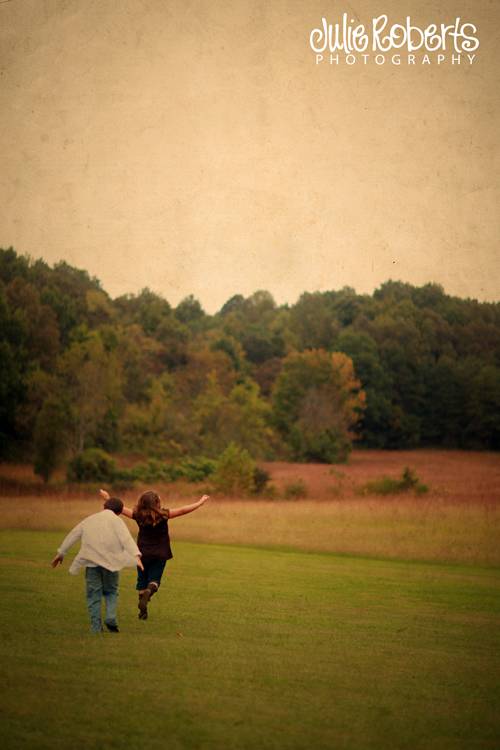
(113, 628)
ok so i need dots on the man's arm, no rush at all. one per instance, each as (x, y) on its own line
(73, 536)
(125, 512)
(175, 512)
(127, 542)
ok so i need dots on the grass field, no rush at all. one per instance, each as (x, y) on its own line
(252, 648)
(342, 621)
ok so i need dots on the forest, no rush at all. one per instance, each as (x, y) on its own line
(404, 367)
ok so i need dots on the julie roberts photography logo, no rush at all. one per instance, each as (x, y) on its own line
(381, 42)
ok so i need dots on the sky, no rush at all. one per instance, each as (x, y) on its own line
(195, 147)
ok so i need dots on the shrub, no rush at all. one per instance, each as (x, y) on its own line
(269, 492)
(153, 470)
(95, 465)
(389, 486)
(234, 471)
(312, 445)
(92, 465)
(195, 469)
(295, 490)
(261, 478)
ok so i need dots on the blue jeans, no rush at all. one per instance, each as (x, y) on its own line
(153, 571)
(101, 583)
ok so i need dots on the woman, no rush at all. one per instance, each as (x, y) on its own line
(153, 541)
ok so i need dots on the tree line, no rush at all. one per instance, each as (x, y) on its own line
(401, 368)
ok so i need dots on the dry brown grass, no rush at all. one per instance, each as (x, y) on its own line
(457, 521)
(457, 476)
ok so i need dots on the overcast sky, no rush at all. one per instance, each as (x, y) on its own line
(195, 147)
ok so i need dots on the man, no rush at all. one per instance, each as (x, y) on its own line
(106, 548)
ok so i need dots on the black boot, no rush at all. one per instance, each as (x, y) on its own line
(144, 598)
(153, 588)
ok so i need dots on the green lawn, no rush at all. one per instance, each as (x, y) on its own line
(251, 648)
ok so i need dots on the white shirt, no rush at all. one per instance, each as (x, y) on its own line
(106, 541)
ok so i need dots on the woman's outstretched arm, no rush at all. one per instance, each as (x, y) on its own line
(175, 512)
(125, 512)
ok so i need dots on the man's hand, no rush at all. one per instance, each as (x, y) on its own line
(139, 563)
(105, 495)
(57, 561)
(203, 499)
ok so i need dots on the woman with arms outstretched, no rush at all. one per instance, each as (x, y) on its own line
(153, 541)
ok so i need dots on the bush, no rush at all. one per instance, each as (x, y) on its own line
(326, 446)
(261, 478)
(295, 490)
(195, 469)
(389, 486)
(234, 471)
(152, 470)
(92, 465)
(383, 486)
(269, 492)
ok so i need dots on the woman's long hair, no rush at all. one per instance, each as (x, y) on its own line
(148, 511)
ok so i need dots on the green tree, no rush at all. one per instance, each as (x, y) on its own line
(375, 424)
(317, 401)
(403, 355)
(174, 337)
(13, 373)
(232, 347)
(51, 436)
(146, 308)
(444, 419)
(482, 408)
(235, 471)
(91, 379)
(252, 322)
(154, 426)
(37, 321)
(241, 418)
(141, 361)
(313, 321)
(38, 386)
(190, 312)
